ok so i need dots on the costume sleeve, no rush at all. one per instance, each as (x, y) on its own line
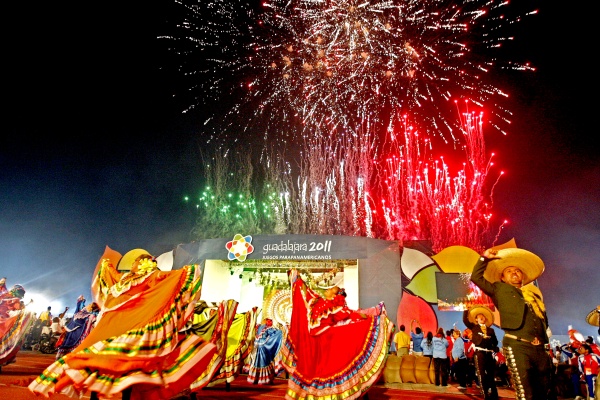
(80, 305)
(594, 358)
(105, 275)
(477, 337)
(341, 311)
(568, 353)
(466, 321)
(308, 294)
(8, 304)
(478, 279)
(494, 339)
(323, 313)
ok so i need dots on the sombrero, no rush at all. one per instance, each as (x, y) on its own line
(530, 264)
(593, 318)
(487, 313)
(126, 262)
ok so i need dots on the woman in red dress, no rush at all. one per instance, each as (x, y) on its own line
(15, 322)
(332, 351)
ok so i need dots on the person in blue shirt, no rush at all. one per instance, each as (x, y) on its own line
(460, 364)
(427, 345)
(416, 334)
(440, 358)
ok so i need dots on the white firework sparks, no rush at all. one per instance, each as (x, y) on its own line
(328, 66)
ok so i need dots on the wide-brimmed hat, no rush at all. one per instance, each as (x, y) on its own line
(530, 265)
(487, 313)
(593, 318)
(126, 262)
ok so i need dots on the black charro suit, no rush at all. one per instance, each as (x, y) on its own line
(485, 363)
(518, 319)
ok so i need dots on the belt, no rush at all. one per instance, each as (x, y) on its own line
(534, 342)
(482, 349)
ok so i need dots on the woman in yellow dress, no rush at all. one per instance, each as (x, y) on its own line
(139, 344)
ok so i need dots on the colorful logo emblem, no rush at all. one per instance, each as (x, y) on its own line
(239, 247)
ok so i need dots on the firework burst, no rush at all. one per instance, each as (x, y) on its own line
(326, 66)
(423, 196)
(338, 77)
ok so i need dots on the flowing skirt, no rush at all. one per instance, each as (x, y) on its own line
(13, 331)
(342, 362)
(264, 363)
(138, 343)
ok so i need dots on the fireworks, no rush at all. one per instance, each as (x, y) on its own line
(337, 78)
(398, 190)
(325, 66)
(422, 197)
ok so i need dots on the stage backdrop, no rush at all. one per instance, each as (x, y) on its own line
(405, 276)
(379, 273)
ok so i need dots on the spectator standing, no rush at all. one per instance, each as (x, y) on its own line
(440, 358)
(555, 356)
(46, 316)
(459, 360)
(595, 349)
(589, 366)
(470, 351)
(449, 355)
(416, 334)
(427, 345)
(402, 341)
(40, 326)
(570, 351)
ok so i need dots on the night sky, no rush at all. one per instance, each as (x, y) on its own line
(95, 152)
